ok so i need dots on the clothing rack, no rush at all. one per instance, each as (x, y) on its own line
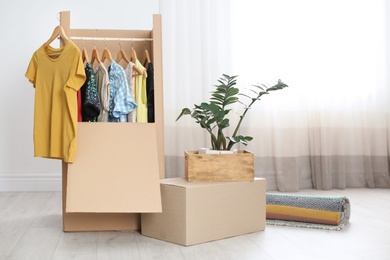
(140, 40)
(121, 159)
(110, 39)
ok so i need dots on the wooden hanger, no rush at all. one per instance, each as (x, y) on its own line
(84, 53)
(146, 58)
(121, 55)
(133, 58)
(58, 31)
(106, 55)
(133, 55)
(95, 55)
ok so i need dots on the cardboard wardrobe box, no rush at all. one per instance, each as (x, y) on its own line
(194, 212)
(114, 177)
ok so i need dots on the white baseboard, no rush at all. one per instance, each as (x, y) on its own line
(31, 182)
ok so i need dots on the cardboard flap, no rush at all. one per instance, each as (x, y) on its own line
(115, 169)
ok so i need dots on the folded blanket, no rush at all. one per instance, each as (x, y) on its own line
(325, 212)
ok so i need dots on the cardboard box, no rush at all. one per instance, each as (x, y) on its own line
(219, 167)
(115, 174)
(194, 213)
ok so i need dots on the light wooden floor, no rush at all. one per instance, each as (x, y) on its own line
(31, 228)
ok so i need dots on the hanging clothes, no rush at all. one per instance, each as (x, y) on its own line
(121, 101)
(56, 80)
(140, 93)
(79, 107)
(89, 96)
(150, 92)
(131, 117)
(103, 88)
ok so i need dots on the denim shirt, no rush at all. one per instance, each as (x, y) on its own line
(121, 100)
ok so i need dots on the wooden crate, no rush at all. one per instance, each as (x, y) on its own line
(219, 167)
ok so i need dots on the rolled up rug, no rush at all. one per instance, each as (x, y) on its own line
(322, 212)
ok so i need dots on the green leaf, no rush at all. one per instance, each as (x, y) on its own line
(205, 106)
(230, 100)
(224, 123)
(262, 93)
(217, 96)
(214, 108)
(185, 111)
(254, 91)
(279, 85)
(232, 92)
(220, 89)
(232, 139)
(247, 138)
(217, 103)
(245, 95)
(257, 86)
(241, 139)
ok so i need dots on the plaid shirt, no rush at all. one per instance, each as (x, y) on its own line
(121, 100)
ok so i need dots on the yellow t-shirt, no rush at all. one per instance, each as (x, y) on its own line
(56, 80)
(140, 94)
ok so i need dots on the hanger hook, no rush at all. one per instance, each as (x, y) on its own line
(105, 46)
(93, 41)
(132, 46)
(82, 41)
(58, 17)
(120, 45)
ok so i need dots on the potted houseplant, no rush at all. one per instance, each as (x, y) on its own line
(213, 117)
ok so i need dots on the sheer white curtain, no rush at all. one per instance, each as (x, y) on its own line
(196, 51)
(330, 128)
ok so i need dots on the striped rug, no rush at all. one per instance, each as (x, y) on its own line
(321, 212)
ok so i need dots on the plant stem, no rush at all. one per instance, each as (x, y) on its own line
(214, 141)
(239, 124)
(221, 140)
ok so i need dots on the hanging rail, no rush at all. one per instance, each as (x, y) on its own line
(110, 39)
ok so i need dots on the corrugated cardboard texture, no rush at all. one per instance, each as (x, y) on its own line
(109, 174)
(101, 221)
(195, 213)
(169, 225)
(95, 221)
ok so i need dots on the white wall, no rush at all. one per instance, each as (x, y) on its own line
(24, 27)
